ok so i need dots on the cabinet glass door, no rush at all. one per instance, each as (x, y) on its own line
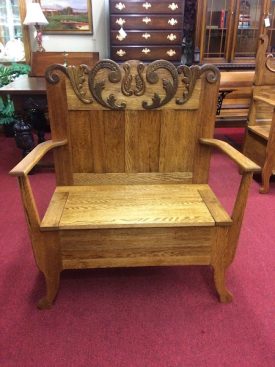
(249, 16)
(11, 36)
(271, 29)
(216, 28)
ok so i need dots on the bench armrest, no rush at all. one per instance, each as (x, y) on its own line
(27, 163)
(267, 100)
(244, 163)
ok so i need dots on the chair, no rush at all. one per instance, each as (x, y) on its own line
(259, 143)
(132, 147)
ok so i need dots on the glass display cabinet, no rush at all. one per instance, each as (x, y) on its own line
(270, 13)
(227, 31)
(14, 38)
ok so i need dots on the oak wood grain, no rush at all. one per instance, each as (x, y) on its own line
(261, 130)
(259, 143)
(123, 206)
(135, 178)
(246, 164)
(132, 180)
(26, 164)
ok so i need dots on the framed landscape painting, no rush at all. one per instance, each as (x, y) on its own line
(68, 16)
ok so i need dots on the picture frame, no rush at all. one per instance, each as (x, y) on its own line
(68, 17)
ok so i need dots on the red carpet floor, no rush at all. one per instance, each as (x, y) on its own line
(143, 317)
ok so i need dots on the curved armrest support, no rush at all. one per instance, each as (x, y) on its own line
(247, 167)
(244, 163)
(27, 163)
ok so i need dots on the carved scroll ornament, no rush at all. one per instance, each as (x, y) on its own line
(76, 75)
(133, 82)
(191, 75)
(126, 86)
(169, 87)
(97, 88)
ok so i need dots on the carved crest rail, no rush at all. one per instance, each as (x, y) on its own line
(135, 85)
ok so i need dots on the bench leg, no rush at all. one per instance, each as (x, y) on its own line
(266, 173)
(52, 286)
(51, 268)
(224, 248)
(219, 277)
(219, 264)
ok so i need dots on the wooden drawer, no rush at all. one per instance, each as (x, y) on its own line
(146, 22)
(146, 53)
(147, 38)
(147, 7)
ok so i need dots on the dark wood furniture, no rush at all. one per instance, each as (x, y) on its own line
(30, 102)
(146, 30)
(41, 60)
(39, 63)
(259, 142)
(132, 147)
(24, 85)
(23, 88)
(227, 32)
(29, 93)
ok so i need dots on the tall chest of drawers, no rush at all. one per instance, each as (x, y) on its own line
(146, 30)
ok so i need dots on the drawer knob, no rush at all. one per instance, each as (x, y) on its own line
(171, 37)
(120, 6)
(121, 52)
(146, 5)
(146, 35)
(146, 20)
(146, 51)
(120, 21)
(173, 21)
(171, 52)
(173, 6)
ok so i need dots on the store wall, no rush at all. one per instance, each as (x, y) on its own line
(98, 41)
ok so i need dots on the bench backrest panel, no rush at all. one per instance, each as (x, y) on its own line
(143, 141)
(126, 120)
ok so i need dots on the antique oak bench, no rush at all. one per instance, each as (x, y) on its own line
(132, 147)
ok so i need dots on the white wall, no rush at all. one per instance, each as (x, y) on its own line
(97, 42)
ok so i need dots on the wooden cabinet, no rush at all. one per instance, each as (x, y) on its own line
(228, 31)
(146, 30)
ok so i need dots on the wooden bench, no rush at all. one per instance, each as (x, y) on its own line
(132, 147)
(235, 106)
(259, 143)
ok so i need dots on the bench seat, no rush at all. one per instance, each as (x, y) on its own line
(133, 206)
(261, 130)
